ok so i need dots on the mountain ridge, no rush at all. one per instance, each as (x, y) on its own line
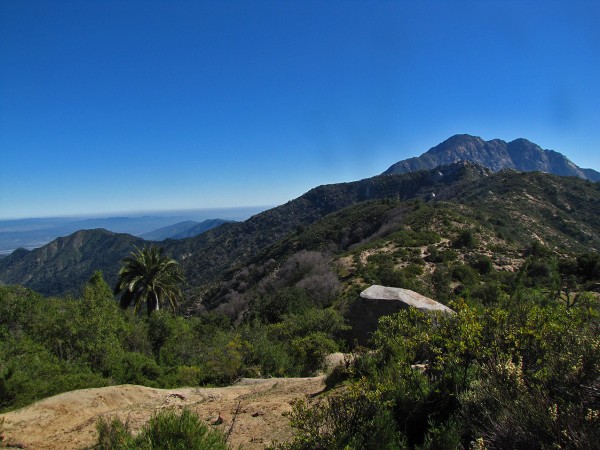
(206, 257)
(496, 154)
(182, 230)
(60, 266)
(210, 257)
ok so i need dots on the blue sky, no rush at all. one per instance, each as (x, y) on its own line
(119, 106)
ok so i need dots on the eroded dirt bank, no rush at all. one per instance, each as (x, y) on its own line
(68, 420)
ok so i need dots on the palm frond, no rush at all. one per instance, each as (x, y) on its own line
(151, 278)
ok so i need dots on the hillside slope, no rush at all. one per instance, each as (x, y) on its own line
(200, 228)
(206, 257)
(406, 242)
(63, 265)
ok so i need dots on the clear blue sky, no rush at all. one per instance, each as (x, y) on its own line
(112, 106)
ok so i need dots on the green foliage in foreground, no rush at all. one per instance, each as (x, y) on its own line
(53, 345)
(523, 373)
(166, 430)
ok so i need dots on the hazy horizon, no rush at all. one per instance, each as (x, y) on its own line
(192, 212)
(34, 232)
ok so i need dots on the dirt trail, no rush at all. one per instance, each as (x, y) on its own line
(67, 421)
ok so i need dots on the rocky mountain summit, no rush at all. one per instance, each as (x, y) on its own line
(520, 154)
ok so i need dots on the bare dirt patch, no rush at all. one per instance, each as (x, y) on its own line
(68, 420)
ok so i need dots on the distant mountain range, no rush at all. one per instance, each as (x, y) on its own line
(496, 155)
(60, 266)
(63, 265)
(521, 207)
(523, 200)
(34, 233)
(182, 230)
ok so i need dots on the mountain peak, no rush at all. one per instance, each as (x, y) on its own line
(523, 141)
(458, 139)
(496, 154)
(461, 143)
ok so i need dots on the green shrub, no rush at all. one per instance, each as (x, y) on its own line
(113, 435)
(354, 419)
(444, 436)
(139, 369)
(166, 430)
(33, 373)
(487, 293)
(589, 266)
(466, 239)
(182, 376)
(440, 280)
(223, 361)
(436, 255)
(522, 373)
(310, 351)
(270, 308)
(465, 274)
(483, 264)
(265, 356)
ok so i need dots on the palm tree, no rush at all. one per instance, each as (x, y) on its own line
(148, 276)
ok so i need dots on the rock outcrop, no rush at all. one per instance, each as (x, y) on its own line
(496, 155)
(378, 301)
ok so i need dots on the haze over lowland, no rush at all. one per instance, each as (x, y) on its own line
(35, 232)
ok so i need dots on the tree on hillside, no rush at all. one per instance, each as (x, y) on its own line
(148, 276)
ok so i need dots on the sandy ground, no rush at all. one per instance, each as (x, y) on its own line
(68, 420)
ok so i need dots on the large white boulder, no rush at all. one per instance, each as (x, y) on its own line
(405, 296)
(378, 301)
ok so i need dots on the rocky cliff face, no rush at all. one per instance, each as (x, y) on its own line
(496, 155)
